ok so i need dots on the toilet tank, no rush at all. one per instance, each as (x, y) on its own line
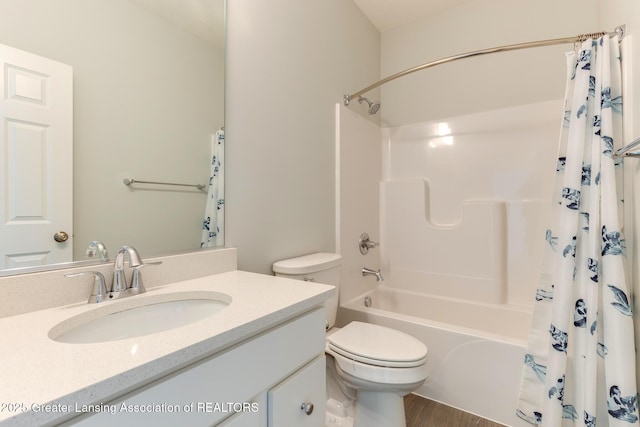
(322, 267)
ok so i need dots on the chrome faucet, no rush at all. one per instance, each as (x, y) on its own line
(137, 285)
(119, 288)
(119, 283)
(99, 292)
(97, 247)
(365, 243)
(369, 272)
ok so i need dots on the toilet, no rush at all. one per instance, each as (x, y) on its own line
(370, 368)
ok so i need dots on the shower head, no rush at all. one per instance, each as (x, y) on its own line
(373, 106)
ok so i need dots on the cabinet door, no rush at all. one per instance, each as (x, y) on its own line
(289, 401)
(253, 417)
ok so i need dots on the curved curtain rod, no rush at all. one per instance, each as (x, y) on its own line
(619, 31)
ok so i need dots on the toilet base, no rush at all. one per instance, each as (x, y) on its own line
(337, 415)
(379, 409)
(353, 402)
(368, 395)
(339, 406)
(370, 410)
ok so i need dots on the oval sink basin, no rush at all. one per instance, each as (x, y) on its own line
(133, 322)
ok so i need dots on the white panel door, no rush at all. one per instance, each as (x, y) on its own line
(36, 159)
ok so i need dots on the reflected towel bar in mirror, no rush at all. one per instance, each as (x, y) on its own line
(129, 181)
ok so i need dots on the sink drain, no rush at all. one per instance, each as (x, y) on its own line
(367, 301)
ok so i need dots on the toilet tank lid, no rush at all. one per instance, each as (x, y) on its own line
(308, 263)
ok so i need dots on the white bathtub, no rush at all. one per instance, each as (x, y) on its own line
(476, 350)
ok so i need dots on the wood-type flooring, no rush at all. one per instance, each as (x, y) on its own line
(421, 412)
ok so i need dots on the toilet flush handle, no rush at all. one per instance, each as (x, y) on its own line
(307, 408)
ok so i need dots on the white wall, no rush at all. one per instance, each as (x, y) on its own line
(288, 64)
(359, 156)
(147, 97)
(484, 83)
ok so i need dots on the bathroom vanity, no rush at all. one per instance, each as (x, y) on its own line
(257, 361)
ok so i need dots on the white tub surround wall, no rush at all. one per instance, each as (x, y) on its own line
(460, 210)
(38, 370)
(462, 205)
(462, 257)
(465, 203)
(358, 174)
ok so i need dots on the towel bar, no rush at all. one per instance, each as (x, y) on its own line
(129, 181)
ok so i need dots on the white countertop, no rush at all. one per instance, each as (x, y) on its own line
(36, 370)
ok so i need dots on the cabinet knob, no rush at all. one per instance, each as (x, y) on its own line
(307, 408)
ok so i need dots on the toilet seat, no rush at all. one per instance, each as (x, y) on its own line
(360, 375)
(377, 345)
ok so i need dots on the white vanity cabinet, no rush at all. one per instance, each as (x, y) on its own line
(269, 380)
(248, 419)
(294, 402)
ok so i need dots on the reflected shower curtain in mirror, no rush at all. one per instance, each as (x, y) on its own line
(213, 224)
(579, 366)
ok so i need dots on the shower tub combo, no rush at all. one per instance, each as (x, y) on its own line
(460, 213)
(475, 349)
(462, 203)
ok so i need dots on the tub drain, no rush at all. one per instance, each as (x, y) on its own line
(367, 301)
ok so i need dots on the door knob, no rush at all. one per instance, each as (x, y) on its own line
(307, 408)
(61, 236)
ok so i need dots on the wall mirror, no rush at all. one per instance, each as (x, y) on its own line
(148, 101)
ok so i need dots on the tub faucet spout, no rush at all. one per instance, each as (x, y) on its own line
(370, 272)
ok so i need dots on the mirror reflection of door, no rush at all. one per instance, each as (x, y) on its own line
(36, 158)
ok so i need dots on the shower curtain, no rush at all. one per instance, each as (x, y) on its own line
(579, 366)
(213, 224)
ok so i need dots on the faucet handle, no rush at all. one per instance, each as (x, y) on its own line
(365, 243)
(137, 287)
(99, 285)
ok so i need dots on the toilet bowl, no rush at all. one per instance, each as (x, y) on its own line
(373, 366)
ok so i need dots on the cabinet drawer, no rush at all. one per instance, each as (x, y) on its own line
(287, 399)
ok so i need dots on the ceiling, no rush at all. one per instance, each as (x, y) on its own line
(389, 14)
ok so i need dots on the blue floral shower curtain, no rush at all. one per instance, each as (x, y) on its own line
(213, 224)
(579, 367)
